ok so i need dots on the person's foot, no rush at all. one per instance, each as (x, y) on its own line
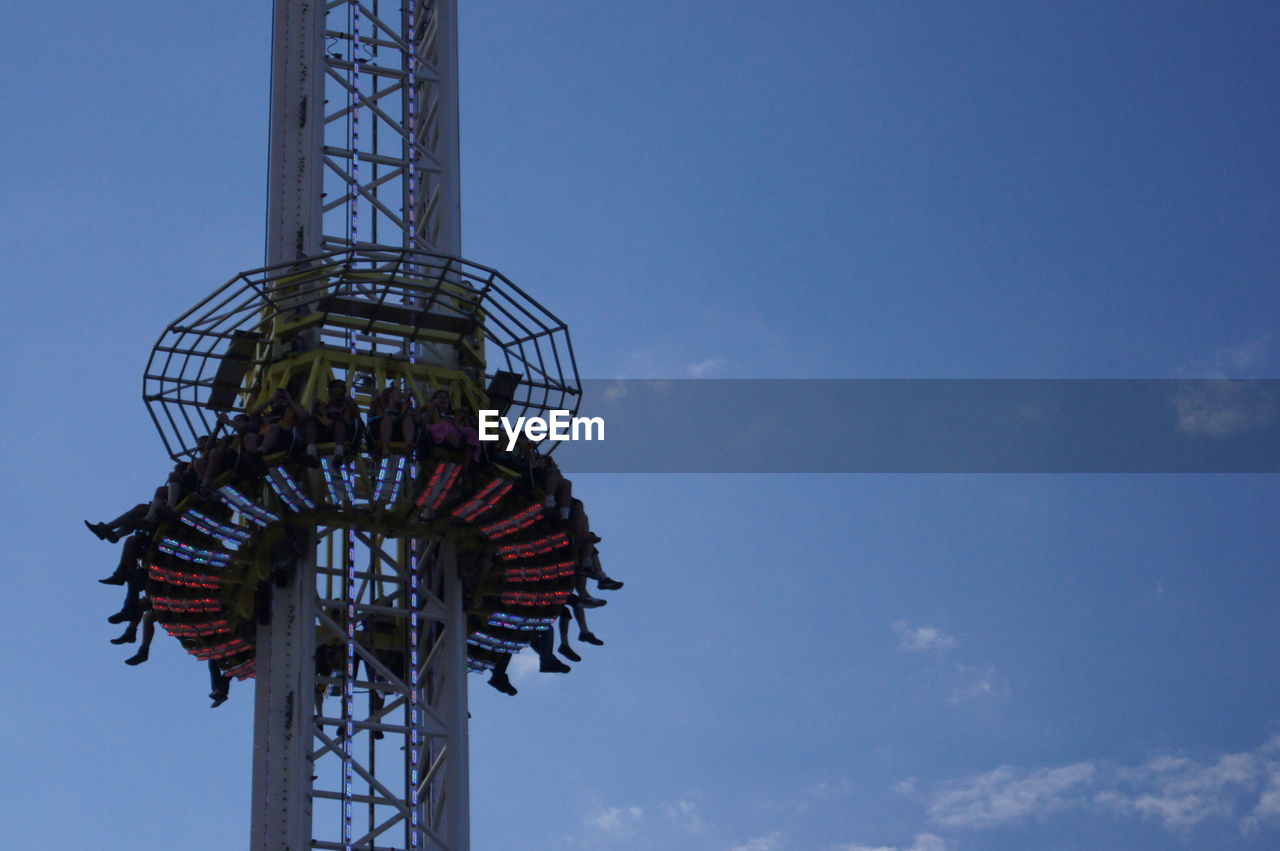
(118, 617)
(127, 637)
(312, 461)
(378, 734)
(138, 658)
(567, 652)
(608, 584)
(592, 537)
(218, 698)
(103, 531)
(503, 684)
(113, 579)
(591, 602)
(590, 638)
(553, 666)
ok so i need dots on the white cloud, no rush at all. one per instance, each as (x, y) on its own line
(824, 791)
(1220, 408)
(684, 814)
(1006, 795)
(705, 367)
(1231, 361)
(976, 684)
(1178, 793)
(921, 842)
(921, 639)
(614, 820)
(523, 665)
(769, 842)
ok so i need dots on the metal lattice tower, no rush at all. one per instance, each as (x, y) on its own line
(363, 151)
(341, 589)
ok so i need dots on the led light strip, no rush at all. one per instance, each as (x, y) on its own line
(184, 580)
(347, 688)
(232, 536)
(288, 490)
(442, 479)
(513, 524)
(413, 692)
(484, 501)
(490, 642)
(541, 573)
(339, 490)
(533, 548)
(174, 547)
(247, 507)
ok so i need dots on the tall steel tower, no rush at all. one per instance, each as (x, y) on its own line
(359, 592)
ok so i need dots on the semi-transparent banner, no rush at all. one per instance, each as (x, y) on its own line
(927, 426)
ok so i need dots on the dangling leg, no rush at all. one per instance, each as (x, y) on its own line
(498, 678)
(148, 633)
(547, 661)
(566, 649)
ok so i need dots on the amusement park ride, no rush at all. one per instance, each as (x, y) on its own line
(388, 568)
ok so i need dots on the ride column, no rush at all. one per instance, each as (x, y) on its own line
(281, 812)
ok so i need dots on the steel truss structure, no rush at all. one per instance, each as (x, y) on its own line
(360, 735)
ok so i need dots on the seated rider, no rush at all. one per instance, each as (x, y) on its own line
(390, 414)
(333, 418)
(280, 416)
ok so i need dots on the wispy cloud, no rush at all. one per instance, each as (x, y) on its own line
(1234, 361)
(769, 842)
(684, 814)
(705, 368)
(523, 665)
(921, 842)
(1178, 793)
(616, 821)
(922, 639)
(1220, 408)
(1006, 795)
(976, 684)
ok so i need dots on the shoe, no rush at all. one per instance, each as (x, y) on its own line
(567, 652)
(590, 638)
(218, 698)
(503, 684)
(118, 617)
(594, 538)
(312, 461)
(113, 579)
(128, 637)
(608, 584)
(102, 530)
(378, 734)
(591, 602)
(137, 658)
(553, 666)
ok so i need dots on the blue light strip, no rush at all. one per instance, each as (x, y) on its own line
(288, 491)
(401, 463)
(174, 547)
(502, 619)
(380, 482)
(232, 536)
(413, 694)
(348, 689)
(335, 480)
(247, 507)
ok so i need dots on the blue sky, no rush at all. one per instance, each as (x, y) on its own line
(718, 189)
